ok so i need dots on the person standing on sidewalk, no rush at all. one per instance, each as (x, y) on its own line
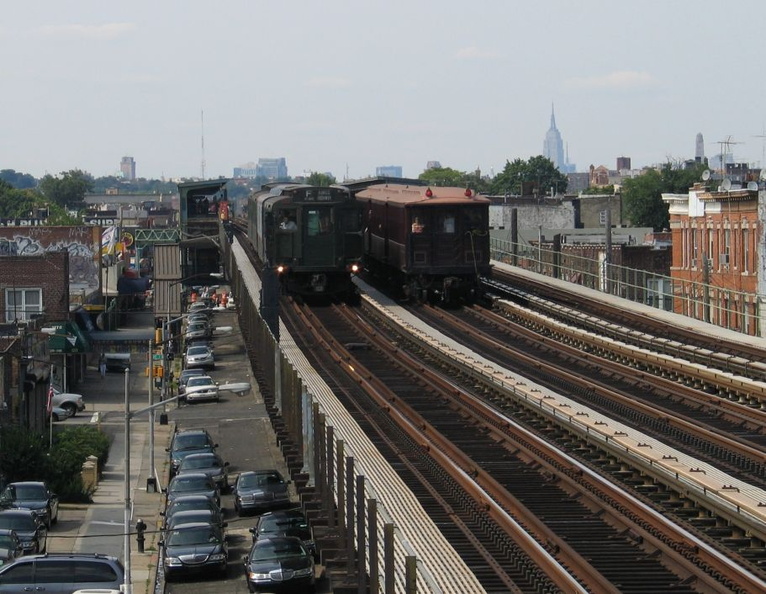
(102, 365)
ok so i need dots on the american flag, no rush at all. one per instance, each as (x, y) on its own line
(50, 400)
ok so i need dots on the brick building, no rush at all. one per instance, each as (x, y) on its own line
(717, 251)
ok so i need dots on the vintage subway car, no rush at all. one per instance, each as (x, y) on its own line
(433, 242)
(310, 235)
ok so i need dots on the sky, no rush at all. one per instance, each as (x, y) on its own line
(345, 86)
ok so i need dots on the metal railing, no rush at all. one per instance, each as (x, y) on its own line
(728, 308)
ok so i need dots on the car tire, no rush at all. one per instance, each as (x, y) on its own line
(54, 519)
(70, 408)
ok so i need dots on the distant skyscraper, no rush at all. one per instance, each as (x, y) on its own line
(553, 147)
(623, 163)
(128, 168)
(389, 171)
(699, 149)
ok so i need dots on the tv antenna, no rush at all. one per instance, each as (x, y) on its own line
(202, 123)
(762, 136)
(725, 150)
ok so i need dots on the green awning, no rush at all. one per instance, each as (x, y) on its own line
(67, 338)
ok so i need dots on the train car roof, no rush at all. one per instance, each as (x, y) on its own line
(407, 195)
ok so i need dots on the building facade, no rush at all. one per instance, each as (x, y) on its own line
(128, 168)
(717, 254)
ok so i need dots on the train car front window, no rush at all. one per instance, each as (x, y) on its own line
(319, 222)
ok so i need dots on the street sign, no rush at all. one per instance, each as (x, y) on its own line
(157, 357)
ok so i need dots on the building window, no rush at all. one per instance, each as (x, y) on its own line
(21, 304)
(746, 264)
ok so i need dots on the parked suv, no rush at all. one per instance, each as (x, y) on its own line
(61, 573)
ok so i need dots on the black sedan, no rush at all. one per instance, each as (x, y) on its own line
(194, 548)
(287, 522)
(189, 441)
(208, 463)
(193, 483)
(30, 530)
(195, 516)
(190, 503)
(280, 564)
(34, 496)
(260, 490)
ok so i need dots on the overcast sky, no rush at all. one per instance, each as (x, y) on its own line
(344, 86)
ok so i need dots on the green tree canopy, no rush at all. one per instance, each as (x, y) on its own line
(642, 195)
(320, 179)
(446, 176)
(538, 173)
(67, 189)
(18, 180)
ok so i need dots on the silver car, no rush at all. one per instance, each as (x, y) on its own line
(199, 356)
(202, 387)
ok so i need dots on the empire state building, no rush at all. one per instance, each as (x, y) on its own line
(553, 147)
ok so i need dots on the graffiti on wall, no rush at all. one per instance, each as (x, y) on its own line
(83, 261)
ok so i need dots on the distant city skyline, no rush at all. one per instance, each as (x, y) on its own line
(390, 85)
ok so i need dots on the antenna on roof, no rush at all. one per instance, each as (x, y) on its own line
(726, 184)
(202, 122)
(752, 186)
(706, 175)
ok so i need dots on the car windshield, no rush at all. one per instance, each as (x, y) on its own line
(192, 536)
(191, 483)
(8, 542)
(179, 506)
(17, 522)
(188, 442)
(280, 523)
(199, 381)
(25, 492)
(204, 462)
(249, 481)
(268, 550)
(198, 350)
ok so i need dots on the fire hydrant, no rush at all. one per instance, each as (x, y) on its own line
(140, 529)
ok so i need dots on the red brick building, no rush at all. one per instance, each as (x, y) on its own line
(716, 242)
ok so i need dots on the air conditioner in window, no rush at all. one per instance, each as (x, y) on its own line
(694, 262)
(724, 259)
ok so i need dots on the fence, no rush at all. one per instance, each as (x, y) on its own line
(735, 310)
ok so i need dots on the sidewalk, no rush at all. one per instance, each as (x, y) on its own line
(99, 527)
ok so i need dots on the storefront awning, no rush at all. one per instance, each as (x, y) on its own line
(66, 337)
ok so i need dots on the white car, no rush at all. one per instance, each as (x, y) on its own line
(70, 402)
(201, 387)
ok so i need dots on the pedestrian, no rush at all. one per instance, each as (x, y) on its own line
(102, 365)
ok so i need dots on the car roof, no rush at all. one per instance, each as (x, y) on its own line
(190, 498)
(26, 484)
(192, 431)
(17, 512)
(202, 455)
(192, 475)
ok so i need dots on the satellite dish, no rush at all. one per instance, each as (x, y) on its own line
(763, 175)
(706, 175)
(752, 186)
(726, 184)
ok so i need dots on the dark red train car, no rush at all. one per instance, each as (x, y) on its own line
(433, 242)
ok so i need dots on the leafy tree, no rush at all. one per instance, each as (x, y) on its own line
(443, 176)
(539, 172)
(67, 189)
(642, 195)
(320, 179)
(18, 180)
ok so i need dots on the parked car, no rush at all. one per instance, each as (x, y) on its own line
(194, 548)
(190, 503)
(31, 531)
(71, 572)
(198, 331)
(200, 307)
(200, 357)
(186, 442)
(195, 516)
(260, 490)
(34, 496)
(185, 375)
(279, 564)
(58, 414)
(208, 463)
(287, 522)
(70, 402)
(202, 387)
(10, 546)
(198, 318)
(193, 483)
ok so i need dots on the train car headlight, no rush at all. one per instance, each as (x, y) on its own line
(355, 268)
(281, 269)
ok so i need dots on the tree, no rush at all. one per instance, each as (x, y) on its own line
(320, 179)
(539, 172)
(67, 189)
(18, 180)
(443, 176)
(642, 195)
